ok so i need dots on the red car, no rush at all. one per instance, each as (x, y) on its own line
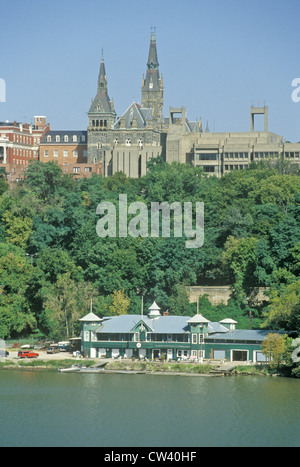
(27, 354)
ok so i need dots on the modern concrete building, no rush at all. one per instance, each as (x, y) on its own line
(220, 153)
(169, 337)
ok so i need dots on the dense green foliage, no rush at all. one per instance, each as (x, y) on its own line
(52, 262)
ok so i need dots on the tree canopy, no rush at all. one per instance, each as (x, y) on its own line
(52, 262)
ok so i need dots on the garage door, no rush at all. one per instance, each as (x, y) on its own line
(219, 354)
(239, 355)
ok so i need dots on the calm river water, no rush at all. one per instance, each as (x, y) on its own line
(43, 408)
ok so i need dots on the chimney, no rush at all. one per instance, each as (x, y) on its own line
(166, 313)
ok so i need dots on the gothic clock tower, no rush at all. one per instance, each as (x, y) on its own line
(152, 86)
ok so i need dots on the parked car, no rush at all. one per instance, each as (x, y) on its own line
(53, 349)
(27, 354)
(4, 353)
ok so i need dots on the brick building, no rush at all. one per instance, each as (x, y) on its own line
(69, 150)
(19, 144)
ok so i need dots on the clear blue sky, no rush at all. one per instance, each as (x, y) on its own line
(217, 58)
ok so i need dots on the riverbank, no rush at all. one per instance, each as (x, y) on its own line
(63, 360)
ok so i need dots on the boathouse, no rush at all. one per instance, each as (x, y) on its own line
(171, 337)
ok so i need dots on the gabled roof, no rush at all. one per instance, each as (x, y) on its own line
(161, 325)
(91, 317)
(198, 318)
(228, 321)
(134, 114)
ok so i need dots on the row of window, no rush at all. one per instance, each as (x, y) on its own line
(65, 153)
(20, 162)
(236, 167)
(237, 155)
(150, 337)
(24, 152)
(66, 139)
(23, 139)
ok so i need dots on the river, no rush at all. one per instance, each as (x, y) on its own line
(42, 408)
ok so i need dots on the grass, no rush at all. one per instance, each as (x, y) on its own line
(159, 367)
(50, 364)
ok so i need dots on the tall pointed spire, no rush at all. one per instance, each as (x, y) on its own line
(102, 113)
(152, 86)
(102, 80)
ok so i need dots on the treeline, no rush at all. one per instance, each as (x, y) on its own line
(52, 262)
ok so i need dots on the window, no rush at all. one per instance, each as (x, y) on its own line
(46, 154)
(201, 338)
(66, 153)
(86, 336)
(57, 138)
(93, 336)
(136, 337)
(75, 138)
(66, 138)
(207, 157)
(194, 338)
(76, 170)
(55, 153)
(75, 153)
(49, 139)
(88, 169)
(128, 142)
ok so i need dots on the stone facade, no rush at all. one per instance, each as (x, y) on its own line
(127, 143)
(222, 293)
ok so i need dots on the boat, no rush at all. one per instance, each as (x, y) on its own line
(72, 369)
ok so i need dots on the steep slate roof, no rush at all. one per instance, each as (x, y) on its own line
(134, 111)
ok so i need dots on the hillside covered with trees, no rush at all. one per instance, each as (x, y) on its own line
(52, 262)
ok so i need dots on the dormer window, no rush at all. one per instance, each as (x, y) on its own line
(66, 138)
(74, 138)
(57, 139)
(49, 138)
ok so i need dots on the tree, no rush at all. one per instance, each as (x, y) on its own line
(64, 303)
(18, 230)
(239, 259)
(44, 178)
(120, 303)
(284, 307)
(273, 347)
(16, 316)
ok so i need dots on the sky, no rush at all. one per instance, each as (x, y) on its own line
(217, 57)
